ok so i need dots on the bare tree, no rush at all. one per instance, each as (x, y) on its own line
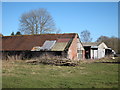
(37, 22)
(102, 39)
(58, 30)
(85, 36)
(112, 42)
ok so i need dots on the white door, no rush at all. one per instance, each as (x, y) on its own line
(95, 54)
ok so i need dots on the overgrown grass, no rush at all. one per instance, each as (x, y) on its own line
(18, 74)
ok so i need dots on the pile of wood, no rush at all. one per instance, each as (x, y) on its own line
(64, 62)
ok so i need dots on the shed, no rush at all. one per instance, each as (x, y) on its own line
(96, 50)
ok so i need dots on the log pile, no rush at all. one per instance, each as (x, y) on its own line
(64, 62)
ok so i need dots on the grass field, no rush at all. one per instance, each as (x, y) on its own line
(19, 74)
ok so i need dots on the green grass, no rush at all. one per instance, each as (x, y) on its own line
(18, 74)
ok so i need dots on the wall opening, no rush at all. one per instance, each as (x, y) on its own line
(87, 52)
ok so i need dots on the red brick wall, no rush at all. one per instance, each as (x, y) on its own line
(83, 54)
(72, 52)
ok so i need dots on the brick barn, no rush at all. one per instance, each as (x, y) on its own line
(67, 45)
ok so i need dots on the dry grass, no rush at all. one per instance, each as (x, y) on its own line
(19, 74)
(14, 57)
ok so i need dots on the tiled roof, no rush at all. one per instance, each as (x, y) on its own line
(63, 39)
(27, 42)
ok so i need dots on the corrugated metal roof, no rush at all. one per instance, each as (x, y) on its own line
(27, 42)
(90, 43)
(48, 44)
(94, 46)
(36, 48)
(59, 46)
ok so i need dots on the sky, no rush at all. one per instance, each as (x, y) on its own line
(100, 18)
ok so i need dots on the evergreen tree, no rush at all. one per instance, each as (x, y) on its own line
(18, 33)
(12, 34)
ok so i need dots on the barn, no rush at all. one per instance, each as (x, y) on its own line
(67, 45)
(96, 50)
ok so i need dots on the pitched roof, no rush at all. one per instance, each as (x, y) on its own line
(27, 42)
(90, 43)
(48, 44)
(59, 46)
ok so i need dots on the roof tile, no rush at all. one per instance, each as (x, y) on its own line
(27, 42)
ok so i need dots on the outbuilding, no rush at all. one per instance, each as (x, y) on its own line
(96, 50)
(67, 45)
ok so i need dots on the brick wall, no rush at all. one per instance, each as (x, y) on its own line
(72, 51)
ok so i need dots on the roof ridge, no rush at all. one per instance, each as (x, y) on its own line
(40, 34)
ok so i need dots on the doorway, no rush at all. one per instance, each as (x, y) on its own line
(87, 52)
